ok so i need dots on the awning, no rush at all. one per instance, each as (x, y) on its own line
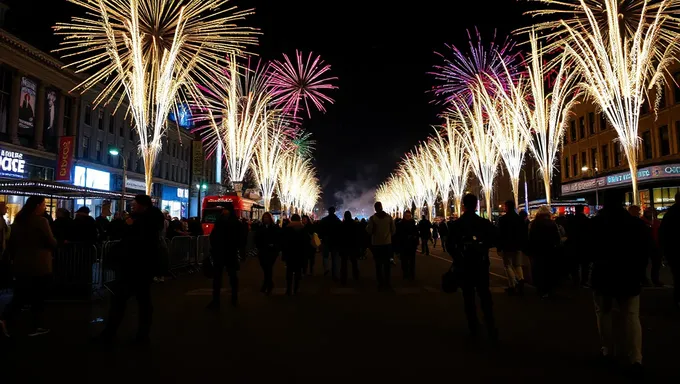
(55, 190)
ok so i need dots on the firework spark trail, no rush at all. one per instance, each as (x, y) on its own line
(302, 143)
(618, 64)
(298, 186)
(460, 72)
(425, 163)
(301, 82)
(269, 155)
(153, 52)
(549, 112)
(453, 163)
(479, 144)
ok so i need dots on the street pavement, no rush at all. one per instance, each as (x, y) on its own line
(334, 334)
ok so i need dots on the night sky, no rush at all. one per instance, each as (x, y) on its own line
(381, 53)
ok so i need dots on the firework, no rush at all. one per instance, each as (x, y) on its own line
(269, 156)
(425, 163)
(298, 187)
(301, 82)
(153, 52)
(620, 56)
(451, 163)
(460, 72)
(302, 143)
(479, 143)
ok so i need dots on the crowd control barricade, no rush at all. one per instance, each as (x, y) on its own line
(107, 262)
(76, 271)
(202, 248)
(180, 253)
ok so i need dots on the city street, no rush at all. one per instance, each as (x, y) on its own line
(337, 334)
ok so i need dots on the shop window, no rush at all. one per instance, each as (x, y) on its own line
(86, 147)
(664, 141)
(591, 123)
(98, 150)
(582, 127)
(593, 157)
(88, 115)
(100, 120)
(664, 198)
(605, 156)
(112, 123)
(647, 151)
(572, 130)
(574, 165)
(618, 155)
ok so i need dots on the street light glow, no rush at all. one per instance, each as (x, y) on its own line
(114, 151)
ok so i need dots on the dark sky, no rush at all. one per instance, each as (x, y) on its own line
(380, 50)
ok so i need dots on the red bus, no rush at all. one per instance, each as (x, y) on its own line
(212, 208)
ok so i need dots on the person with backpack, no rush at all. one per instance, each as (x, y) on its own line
(470, 239)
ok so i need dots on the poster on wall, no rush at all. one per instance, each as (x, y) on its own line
(27, 106)
(51, 105)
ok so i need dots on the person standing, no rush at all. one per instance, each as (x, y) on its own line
(267, 240)
(381, 228)
(295, 243)
(471, 238)
(349, 248)
(329, 232)
(619, 266)
(84, 227)
(443, 233)
(30, 247)
(425, 230)
(407, 239)
(668, 233)
(511, 240)
(310, 252)
(226, 240)
(136, 266)
(542, 249)
(578, 245)
(435, 234)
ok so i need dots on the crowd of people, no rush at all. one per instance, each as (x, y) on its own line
(609, 253)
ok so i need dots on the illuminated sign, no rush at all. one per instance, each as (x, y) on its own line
(656, 172)
(137, 185)
(182, 193)
(12, 164)
(92, 178)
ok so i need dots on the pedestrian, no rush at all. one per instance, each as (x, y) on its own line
(364, 239)
(295, 243)
(668, 233)
(62, 227)
(103, 222)
(512, 238)
(329, 232)
(471, 239)
(425, 229)
(137, 262)
(649, 217)
(381, 228)
(310, 259)
(226, 239)
(268, 242)
(30, 248)
(619, 265)
(84, 227)
(443, 232)
(579, 245)
(407, 238)
(349, 248)
(435, 234)
(543, 251)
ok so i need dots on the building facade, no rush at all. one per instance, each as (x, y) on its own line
(593, 161)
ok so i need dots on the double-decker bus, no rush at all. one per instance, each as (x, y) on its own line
(244, 208)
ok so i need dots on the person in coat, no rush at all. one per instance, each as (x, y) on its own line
(226, 240)
(543, 248)
(295, 245)
(512, 238)
(329, 232)
(407, 237)
(267, 241)
(137, 263)
(62, 227)
(444, 233)
(349, 247)
(579, 245)
(84, 227)
(381, 228)
(425, 229)
(30, 246)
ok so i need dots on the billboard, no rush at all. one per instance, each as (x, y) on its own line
(65, 158)
(27, 106)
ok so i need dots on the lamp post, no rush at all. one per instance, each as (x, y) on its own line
(199, 187)
(113, 151)
(585, 168)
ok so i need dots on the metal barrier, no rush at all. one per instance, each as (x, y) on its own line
(107, 263)
(180, 252)
(202, 248)
(76, 270)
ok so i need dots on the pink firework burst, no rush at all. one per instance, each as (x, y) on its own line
(299, 83)
(461, 70)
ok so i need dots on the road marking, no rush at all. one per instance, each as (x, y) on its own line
(491, 273)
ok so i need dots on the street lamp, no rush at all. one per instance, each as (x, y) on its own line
(200, 187)
(113, 151)
(585, 168)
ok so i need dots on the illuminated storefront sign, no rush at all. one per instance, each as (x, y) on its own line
(137, 185)
(92, 178)
(12, 164)
(656, 172)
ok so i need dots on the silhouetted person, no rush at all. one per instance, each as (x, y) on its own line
(649, 217)
(136, 265)
(425, 229)
(226, 239)
(443, 232)
(471, 238)
(268, 242)
(512, 238)
(62, 227)
(543, 247)
(668, 239)
(310, 258)
(381, 228)
(295, 243)
(329, 232)
(407, 238)
(579, 245)
(349, 248)
(84, 227)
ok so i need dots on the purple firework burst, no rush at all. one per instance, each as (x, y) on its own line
(296, 84)
(461, 70)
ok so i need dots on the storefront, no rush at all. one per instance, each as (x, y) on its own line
(92, 179)
(175, 200)
(657, 186)
(18, 165)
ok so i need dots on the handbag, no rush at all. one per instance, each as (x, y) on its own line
(450, 281)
